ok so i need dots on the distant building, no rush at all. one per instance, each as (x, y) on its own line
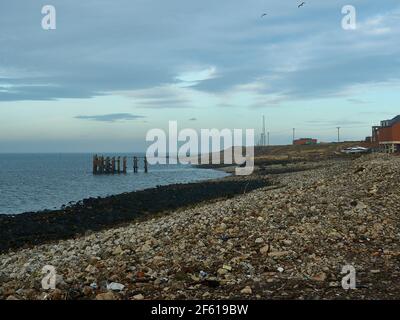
(305, 141)
(386, 137)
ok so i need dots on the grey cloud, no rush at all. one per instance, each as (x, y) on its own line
(357, 101)
(339, 122)
(101, 47)
(113, 117)
(163, 103)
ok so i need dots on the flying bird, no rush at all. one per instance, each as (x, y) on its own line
(263, 15)
(301, 4)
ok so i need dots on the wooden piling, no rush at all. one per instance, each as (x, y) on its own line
(124, 163)
(113, 165)
(135, 164)
(108, 165)
(95, 163)
(102, 164)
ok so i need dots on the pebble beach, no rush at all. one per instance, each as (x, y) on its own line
(287, 240)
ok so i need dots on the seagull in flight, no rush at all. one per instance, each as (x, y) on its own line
(301, 4)
(263, 15)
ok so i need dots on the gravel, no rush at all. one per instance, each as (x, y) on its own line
(289, 241)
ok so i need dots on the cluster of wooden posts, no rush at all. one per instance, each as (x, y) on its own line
(112, 165)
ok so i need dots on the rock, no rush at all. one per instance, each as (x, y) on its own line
(222, 271)
(117, 251)
(91, 269)
(259, 240)
(138, 297)
(115, 286)
(87, 291)
(56, 294)
(203, 274)
(60, 280)
(145, 248)
(93, 285)
(320, 277)
(373, 191)
(361, 206)
(246, 290)
(247, 267)
(359, 169)
(106, 296)
(227, 267)
(280, 269)
(12, 298)
(278, 254)
(264, 250)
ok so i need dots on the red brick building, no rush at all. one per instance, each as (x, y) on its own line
(305, 141)
(386, 137)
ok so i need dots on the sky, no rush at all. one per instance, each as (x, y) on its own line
(113, 70)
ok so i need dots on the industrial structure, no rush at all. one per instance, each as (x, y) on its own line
(305, 141)
(264, 137)
(386, 137)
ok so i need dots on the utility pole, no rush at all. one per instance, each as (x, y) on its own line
(294, 134)
(338, 134)
(263, 134)
(268, 138)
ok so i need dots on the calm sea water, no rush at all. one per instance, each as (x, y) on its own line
(33, 182)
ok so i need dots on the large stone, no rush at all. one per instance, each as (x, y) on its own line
(106, 296)
(246, 290)
(320, 277)
(278, 254)
(115, 286)
(264, 250)
(138, 297)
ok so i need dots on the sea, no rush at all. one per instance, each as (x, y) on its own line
(36, 182)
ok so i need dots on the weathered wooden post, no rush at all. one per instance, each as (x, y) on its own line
(95, 164)
(108, 165)
(102, 164)
(119, 165)
(135, 164)
(113, 165)
(124, 165)
(145, 165)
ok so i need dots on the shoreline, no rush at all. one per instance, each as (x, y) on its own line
(94, 214)
(69, 180)
(286, 241)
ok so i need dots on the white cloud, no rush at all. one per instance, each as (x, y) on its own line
(194, 77)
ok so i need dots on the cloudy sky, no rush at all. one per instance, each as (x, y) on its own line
(112, 70)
